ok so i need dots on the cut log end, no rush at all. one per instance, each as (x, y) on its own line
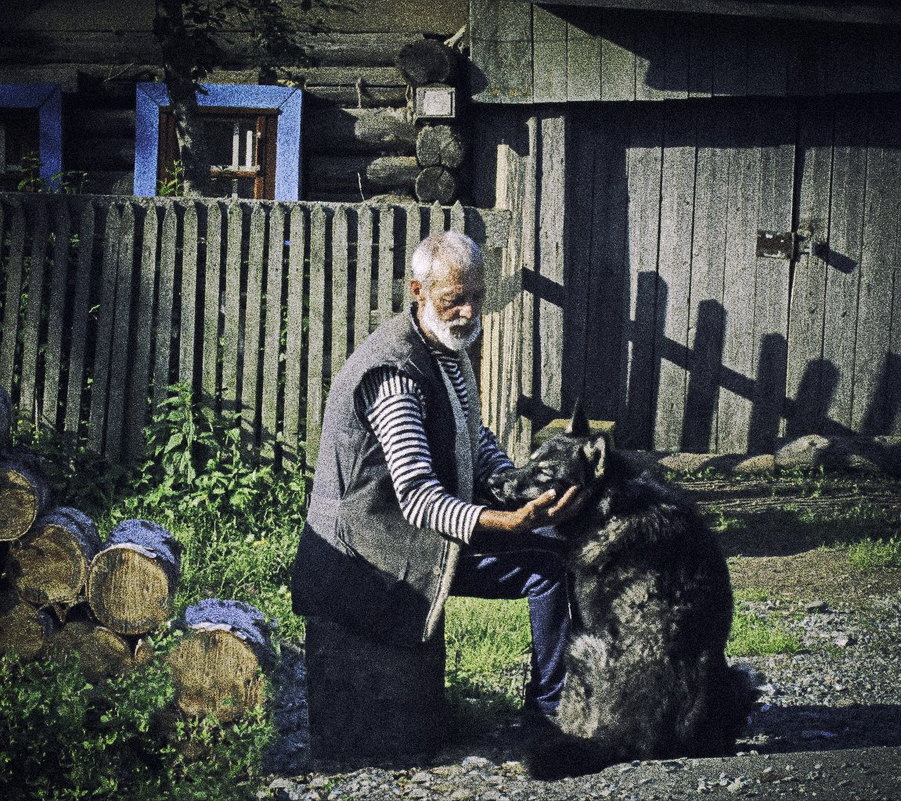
(439, 145)
(129, 590)
(48, 566)
(427, 61)
(436, 183)
(216, 673)
(100, 651)
(19, 504)
(24, 630)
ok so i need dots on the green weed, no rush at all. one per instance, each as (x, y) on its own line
(871, 554)
(66, 738)
(752, 636)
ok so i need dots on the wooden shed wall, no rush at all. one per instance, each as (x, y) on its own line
(636, 274)
(529, 53)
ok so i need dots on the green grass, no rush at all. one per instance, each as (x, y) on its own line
(488, 646)
(752, 636)
(873, 554)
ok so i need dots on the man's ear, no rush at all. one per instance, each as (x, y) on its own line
(597, 452)
(578, 425)
(416, 290)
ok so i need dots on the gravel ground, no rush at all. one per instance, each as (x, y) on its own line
(829, 727)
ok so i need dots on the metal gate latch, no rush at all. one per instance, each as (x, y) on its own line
(788, 245)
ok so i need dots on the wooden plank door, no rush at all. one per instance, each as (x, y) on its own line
(676, 327)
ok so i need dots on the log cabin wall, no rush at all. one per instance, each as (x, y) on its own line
(652, 160)
(358, 132)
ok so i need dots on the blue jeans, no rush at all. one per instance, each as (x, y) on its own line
(528, 566)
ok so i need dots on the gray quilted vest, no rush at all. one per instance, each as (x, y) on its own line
(359, 562)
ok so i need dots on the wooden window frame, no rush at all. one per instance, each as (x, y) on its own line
(46, 99)
(266, 128)
(280, 108)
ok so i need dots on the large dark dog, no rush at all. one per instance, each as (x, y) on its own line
(646, 673)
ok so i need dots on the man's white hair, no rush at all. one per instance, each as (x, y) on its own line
(444, 251)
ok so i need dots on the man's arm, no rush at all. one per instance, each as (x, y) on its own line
(395, 408)
(491, 457)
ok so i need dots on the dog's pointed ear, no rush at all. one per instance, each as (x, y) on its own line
(597, 452)
(578, 425)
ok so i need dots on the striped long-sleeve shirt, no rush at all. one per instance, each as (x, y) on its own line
(395, 407)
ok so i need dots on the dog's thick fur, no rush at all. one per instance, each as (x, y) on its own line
(652, 605)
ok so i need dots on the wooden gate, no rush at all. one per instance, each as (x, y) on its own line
(731, 269)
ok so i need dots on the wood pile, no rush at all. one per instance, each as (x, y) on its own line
(440, 145)
(63, 589)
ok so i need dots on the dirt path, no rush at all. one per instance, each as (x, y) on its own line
(773, 530)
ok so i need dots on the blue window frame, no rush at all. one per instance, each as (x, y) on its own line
(46, 100)
(151, 98)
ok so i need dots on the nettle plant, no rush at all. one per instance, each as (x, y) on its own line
(67, 182)
(68, 738)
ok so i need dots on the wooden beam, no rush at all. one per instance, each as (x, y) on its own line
(850, 13)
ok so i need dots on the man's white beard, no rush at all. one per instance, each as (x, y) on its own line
(448, 334)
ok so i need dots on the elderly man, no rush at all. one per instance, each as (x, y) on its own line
(394, 525)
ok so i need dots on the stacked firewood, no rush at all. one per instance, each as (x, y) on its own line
(62, 588)
(440, 145)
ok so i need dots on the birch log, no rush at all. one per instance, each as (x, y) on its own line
(218, 667)
(24, 629)
(23, 494)
(132, 581)
(49, 565)
(100, 651)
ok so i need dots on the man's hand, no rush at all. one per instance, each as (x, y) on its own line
(545, 510)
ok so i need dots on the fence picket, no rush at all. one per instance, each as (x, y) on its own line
(340, 265)
(414, 235)
(386, 263)
(232, 313)
(250, 376)
(119, 351)
(458, 218)
(4, 218)
(315, 352)
(436, 218)
(294, 337)
(212, 273)
(140, 362)
(62, 228)
(188, 305)
(273, 323)
(164, 307)
(100, 378)
(363, 293)
(13, 297)
(80, 316)
(36, 268)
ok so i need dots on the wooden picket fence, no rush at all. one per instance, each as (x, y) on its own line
(106, 302)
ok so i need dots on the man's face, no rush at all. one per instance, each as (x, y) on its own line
(450, 309)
